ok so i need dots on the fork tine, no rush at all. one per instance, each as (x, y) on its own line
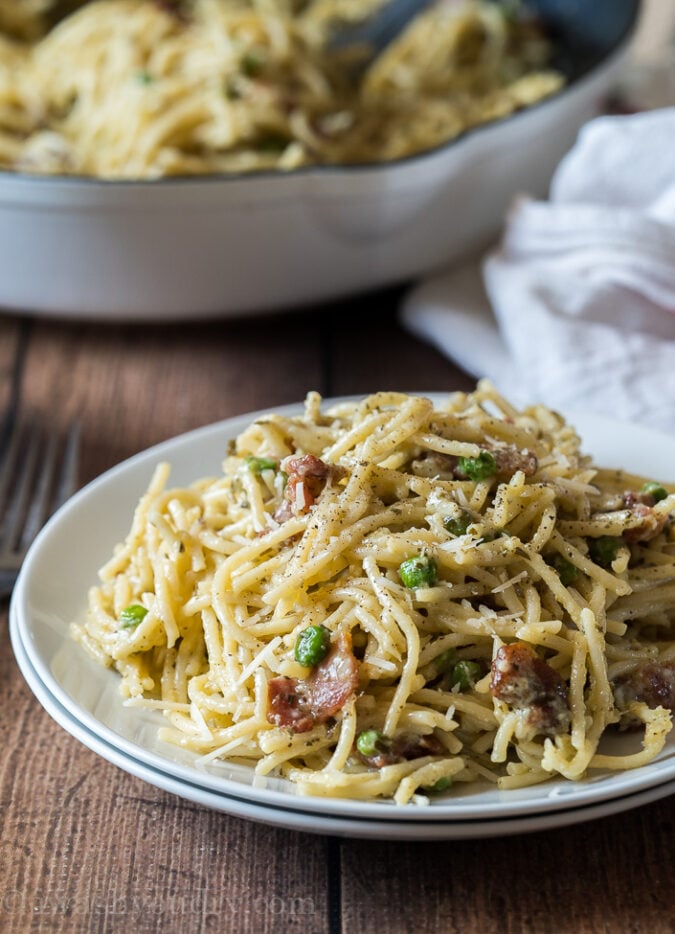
(68, 478)
(38, 472)
(16, 510)
(11, 438)
(38, 510)
(43, 487)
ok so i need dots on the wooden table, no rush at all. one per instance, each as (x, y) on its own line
(86, 847)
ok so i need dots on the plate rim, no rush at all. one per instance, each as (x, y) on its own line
(556, 795)
(318, 823)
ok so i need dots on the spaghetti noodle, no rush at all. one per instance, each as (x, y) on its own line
(143, 88)
(384, 597)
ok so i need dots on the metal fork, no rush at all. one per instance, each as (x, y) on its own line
(370, 36)
(38, 473)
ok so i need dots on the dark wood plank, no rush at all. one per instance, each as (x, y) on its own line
(368, 351)
(87, 847)
(134, 386)
(533, 883)
(610, 875)
(12, 334)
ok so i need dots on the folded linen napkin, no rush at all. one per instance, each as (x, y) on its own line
(576, 307)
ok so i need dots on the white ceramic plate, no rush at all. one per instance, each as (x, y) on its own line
(63, 563)
(287, 818)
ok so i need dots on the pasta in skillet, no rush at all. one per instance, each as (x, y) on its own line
(148, 88)
(383, 597)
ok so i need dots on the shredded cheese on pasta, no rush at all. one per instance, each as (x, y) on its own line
(143, 88)
(539, 590)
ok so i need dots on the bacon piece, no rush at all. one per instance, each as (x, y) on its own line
(509, 459)
(310, 466)
(286, 707)
(285, 511)
(406, 746)
(633, 497)
(650, 525)
(434, 464)
(526, 682)
(307, 477)
(301, 704)
(653, 683)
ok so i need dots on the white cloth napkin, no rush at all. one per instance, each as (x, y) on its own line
(576, 307)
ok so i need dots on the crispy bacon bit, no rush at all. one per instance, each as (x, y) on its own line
(650, 525)
(653, 683)
(526, 682)
(405, 746)
(633, 497)
(433, 464)
(302, 704)
(310, 466)
(286, 707)
(307, 477)
(509, 460)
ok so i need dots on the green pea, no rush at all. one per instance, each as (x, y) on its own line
(458, 525)
(465, 674)
(603, 550)
(439, 786)
(312, 646)
(252, 62)
(257, 464)
(510, 10)
(445, 660)
(370, 742)
(272, 143)
(132, 615)
(232, 90)
(477, 468)
(655, 490)
(419, 571)
(567, 572)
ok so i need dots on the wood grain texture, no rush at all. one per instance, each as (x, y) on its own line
(84, 847)
(13, 335)
(132, 387)
(367, 351)
(612, 875)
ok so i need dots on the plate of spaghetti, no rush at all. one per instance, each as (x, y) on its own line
(408, 607)
(323, 821)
